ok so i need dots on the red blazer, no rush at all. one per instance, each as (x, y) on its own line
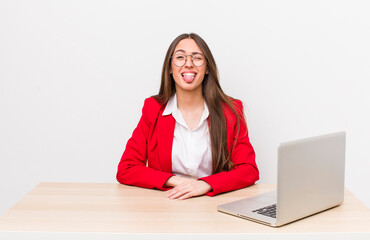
(146, 161)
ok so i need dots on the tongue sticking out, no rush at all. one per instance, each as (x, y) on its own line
(188, 78)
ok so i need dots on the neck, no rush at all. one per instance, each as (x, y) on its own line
(187, 100)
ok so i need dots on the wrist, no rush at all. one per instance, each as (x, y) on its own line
(207, 186)
(173, 181)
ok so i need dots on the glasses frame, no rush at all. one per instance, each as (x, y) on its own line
(192, 59)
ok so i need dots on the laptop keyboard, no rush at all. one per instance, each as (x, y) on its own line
(269, 211)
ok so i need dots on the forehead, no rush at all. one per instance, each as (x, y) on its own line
(188, 46)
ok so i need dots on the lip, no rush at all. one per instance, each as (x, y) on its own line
(192, 72)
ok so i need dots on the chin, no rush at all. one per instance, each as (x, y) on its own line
(190, 87)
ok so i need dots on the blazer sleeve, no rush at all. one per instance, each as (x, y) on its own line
(245, 171)
(132, 169)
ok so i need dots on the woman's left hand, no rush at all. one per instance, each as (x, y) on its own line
(189, 188)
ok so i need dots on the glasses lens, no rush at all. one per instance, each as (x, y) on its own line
(198, 60)
(179, 59)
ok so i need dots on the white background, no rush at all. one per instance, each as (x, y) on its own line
(74, 76)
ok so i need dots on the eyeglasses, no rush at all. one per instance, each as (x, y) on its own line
(180, 59)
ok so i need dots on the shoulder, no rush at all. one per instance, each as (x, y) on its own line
(152, 102)
(236, 104)
(234, 112)
(151, 105)
(235, 117)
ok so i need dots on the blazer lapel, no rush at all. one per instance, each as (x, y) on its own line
(166, 128)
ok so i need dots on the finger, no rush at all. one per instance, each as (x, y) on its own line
(185, 196)
(179, 187)
(170, 192)
(178, 194)
(180, 190)
(173, 191)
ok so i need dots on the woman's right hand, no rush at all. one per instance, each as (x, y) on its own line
(174, 181)
(184, 188)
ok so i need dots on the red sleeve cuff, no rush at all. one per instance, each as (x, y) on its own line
(162, 180)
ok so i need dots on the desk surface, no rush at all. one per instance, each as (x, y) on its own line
(116, 208)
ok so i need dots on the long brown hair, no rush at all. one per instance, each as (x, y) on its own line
(214, 97)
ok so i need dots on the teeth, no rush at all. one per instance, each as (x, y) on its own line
(188, 74)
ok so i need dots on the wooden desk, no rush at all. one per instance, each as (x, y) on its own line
(115, 211)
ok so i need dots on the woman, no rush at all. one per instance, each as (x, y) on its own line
(192, 139)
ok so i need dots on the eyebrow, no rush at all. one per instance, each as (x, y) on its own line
(181, 50)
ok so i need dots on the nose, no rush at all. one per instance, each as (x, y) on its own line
(189, 61)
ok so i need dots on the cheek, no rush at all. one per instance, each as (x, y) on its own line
(174, 70)
(203, 71)
(176, 76)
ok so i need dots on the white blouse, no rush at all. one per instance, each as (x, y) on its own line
(191, 150)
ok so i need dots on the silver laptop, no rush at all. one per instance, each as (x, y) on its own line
(310, 180)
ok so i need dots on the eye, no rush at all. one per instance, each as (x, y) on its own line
(198, 57)
(179, 57)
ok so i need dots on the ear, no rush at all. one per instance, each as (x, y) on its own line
(170, 71)
(207, 70)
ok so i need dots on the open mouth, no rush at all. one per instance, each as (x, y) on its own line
(188, 77)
